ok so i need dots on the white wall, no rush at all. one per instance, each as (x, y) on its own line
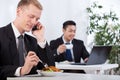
(54, 14)
(7, 11)
(57, 11)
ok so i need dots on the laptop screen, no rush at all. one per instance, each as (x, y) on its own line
(99, 55)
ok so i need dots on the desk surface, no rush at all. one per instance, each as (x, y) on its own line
(69, 76)
(89, 69)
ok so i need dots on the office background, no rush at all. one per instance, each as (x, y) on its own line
(55, 12)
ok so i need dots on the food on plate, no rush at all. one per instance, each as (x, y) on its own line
(51, 69)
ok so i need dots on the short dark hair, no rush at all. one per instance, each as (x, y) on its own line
(28, 2)
(69, 22)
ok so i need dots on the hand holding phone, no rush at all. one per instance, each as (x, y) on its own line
(38, 26)
(38, 31)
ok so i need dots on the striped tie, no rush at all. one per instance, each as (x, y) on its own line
(21, 50)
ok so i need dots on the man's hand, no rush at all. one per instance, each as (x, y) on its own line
(39, 33)
(31, 60)
(61, 48)
(85, 60)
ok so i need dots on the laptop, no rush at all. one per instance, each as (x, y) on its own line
(98, 55)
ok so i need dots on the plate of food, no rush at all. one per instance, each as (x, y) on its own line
(49, 71)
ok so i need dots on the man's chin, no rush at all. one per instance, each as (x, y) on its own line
(70, 38)
(28, 30)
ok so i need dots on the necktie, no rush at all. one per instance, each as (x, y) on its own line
(68, 54)
(21, 50)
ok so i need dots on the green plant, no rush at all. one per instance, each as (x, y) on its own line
(106, 27)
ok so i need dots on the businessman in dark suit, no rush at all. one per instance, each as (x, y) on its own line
(77, 48)
(36, 48)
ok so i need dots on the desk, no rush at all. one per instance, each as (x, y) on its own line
(70, 76)
(95, 69)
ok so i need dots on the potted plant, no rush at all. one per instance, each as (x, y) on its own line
(106, 28)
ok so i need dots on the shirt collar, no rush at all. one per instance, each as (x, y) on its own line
(65, 41)
(15, 30)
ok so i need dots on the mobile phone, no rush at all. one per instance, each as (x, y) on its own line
(34, 28)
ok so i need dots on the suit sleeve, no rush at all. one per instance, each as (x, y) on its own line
(8, 70)
(46, 55)
(54, 45)
(85, 53)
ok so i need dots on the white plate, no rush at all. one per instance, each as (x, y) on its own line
(49, 74)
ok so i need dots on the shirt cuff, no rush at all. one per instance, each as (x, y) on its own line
(42, 44)
(17, 72)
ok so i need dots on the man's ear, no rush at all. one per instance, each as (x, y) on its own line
(19, 11)
(63, 30)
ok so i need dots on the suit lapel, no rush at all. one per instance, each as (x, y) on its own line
(74, 46)
(12, 44)
(28, 45)
(61, 40)
(75, 50)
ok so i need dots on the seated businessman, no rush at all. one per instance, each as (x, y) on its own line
(67, 47)
(20, 53)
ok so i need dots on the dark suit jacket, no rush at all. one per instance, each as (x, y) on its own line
(9, 58)
(79, 50)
